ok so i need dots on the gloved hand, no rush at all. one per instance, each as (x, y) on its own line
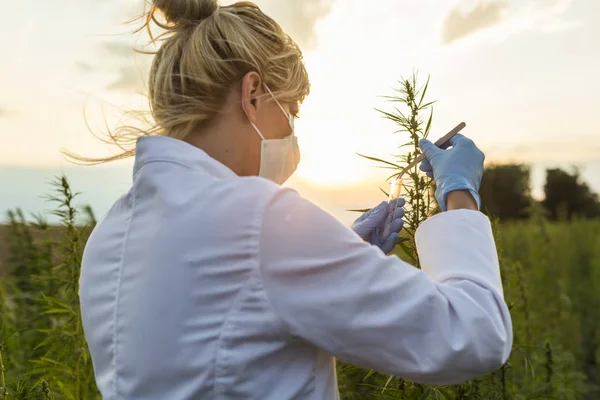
(458, 168)
(371, 224)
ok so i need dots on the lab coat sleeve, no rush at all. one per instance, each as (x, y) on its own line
(444, 324)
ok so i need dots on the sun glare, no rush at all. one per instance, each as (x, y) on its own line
(325, 168)
(329, 150)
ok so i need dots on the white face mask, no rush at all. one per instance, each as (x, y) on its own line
(279, 158)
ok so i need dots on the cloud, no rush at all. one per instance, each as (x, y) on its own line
(132, 66)
(5, 112)
(548, 18)
(460, 24)
(298, 18)
(83, 66)
(507, 17)
(130, 79)
(119, 49)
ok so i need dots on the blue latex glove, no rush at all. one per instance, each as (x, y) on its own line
(458, 168)
(371, 224)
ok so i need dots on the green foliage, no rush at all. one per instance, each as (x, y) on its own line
(45, 355)
(543, 364)
(505, 191)
(550, 272)
(567, 197)
(413, 115)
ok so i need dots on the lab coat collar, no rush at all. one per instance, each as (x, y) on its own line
(171, 150)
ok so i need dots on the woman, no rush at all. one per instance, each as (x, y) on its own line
(208, 280)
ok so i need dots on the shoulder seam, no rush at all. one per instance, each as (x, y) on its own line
(217, 388)
(258, 275)
(118, 293)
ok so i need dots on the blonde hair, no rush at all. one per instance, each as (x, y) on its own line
(207, 49)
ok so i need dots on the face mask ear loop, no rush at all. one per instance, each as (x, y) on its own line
(276, 101)
(252, 123)
(288, 115)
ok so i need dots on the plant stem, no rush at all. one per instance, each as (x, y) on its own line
(503, 377)
(2, 380)
(416, 190)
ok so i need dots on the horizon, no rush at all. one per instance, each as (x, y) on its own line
(100, 186)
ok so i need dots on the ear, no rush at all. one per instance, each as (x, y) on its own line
(252, 91)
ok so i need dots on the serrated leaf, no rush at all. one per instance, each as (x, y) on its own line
(44, 343)
(379, 160)
(57, 311)
(393, 176)
(424, 91)
(389, 380)
(363, 210)
(405, 145)
(49, 361)
(395, 99)
(428, 104)
(428, 124)
(406, 249)
(55, 301)
(66, 390)
(401, 114)
(388, 115)
(369, 374)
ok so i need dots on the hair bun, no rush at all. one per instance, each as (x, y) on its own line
(181, 11)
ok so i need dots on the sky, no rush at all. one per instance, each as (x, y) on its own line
(522, 74)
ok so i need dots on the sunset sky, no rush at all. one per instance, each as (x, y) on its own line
(523, 75)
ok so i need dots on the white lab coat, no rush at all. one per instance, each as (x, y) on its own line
(199, 284)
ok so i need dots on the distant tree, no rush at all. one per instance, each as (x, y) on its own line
(505, 191)
(567, 196)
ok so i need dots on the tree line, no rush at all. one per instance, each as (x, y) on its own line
(506, 194)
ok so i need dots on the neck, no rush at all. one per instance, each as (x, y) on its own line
(221, 141)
